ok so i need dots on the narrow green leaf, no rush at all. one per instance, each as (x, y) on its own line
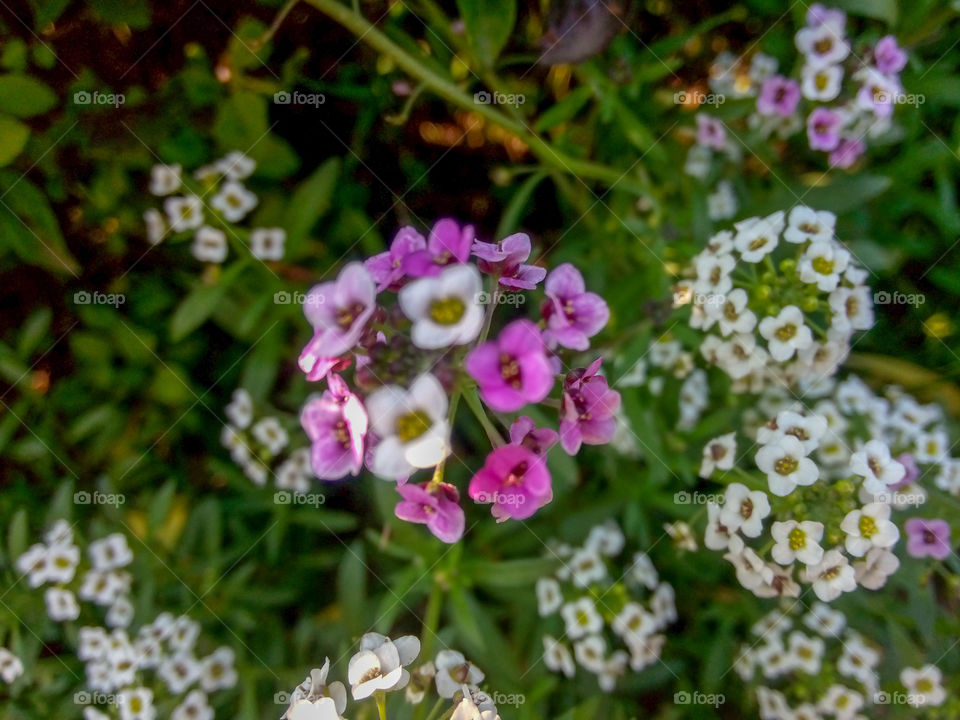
(201, 303)
(489, 24)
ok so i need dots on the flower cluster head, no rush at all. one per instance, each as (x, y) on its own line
(613, 614)
(778, 299)
(210, 207)
(400, 338)
(380, 667)
(158, 658)
(821, 486)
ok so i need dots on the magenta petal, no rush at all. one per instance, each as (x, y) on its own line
(564, 281)
(521, 337)
(483, 364)
(520, 428)
(502, 398)
(448, 524)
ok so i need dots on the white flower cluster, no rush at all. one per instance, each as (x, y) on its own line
(380, 667)
(121, 667)
(256, 446)
(778, 299)
(596, 608)
(11, 667)
(210, 222)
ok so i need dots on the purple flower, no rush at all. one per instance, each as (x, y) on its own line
(572, 314)
(711, 132)
(778, 96)
(436, 506)
(387, 267)
(913, 472)
(506, 259)
(588, 409)
(448, 243)
(879, 93)
(823, 129)
(525, 433)
(515, 480)
(888, 56)
(847, 153)
(338, 312)
(818, 14)
(336, 423)
(928, 538)
(514, 369)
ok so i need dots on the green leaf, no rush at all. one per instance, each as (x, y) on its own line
(564, 110)
(201, 303)
(885, 10)
(510, 219)
(28, 225)
(135, 13)
(46, 11)
(24, 96)
(18, 534)
(489, 24)
(13, 138)
(351, 588)
(242, 124)
(310, 202)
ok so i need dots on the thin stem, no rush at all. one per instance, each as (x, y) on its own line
(473, 402)
(382, 705)
(275, 25)
(436, 708)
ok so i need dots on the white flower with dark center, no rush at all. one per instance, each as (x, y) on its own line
(380, 664)
(549, 597)
(444, 309)
(412, 427)
(165, 179)
(831, 577)
(823, 44)
(235, 165)
(591, 652)
(101, 587)
(807, 429)
(858, 659)
(557, 657)
(805, 652)
(179, 672)
(314, 699)
(932, 447)
(877, 468)
(717, 535)
(841, 702)
(61, 604)
(713, 274)
(773, 659)
(757, 237)
(581, 618)
(10, 666)
(773, 624)
(924, 686)
(786, 333)
(453, 671)
(184, 213)
(614, 667)
(809, 225)
(733, 315)
(240, 410)
(136, 704)
(744, 509)
(216, 670)
(61, 563)
(606, 539)
(92, 643)
(643, 571)
(233, 201)
(879, 564)
(851, 309)
(209, 245)
(193, 707)
(821, 83)
(869, 527)
(156, 225)
(647, 652)
(110, 553)
(183, 634)
(825, 620)
(772, 705)
(751, 570)
(120, 613)
(797, 541)
(270, 433)
(822, 264)
(634, 624)
(719, 454)
(267, 243)
(586, 567)
(786, 465)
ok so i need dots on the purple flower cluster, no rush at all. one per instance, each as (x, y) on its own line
(411, 326)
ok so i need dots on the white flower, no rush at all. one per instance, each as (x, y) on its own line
(858, 659)
(821, 83)
(240, 409)
(785, 333)
(590, 653)
(380, 664)
(786, 465)
(444, 309)
(797, 541)
(773, 659)
(719, 453)
(209, 245)
(831, 577)
(156, 225)
(92, 643)
(757, 237)
(643, 571)
(183, 634)
(698, 162)
(557, 657)
(581, 618)
(634, 624)
(586, 567)
(136, 704)
(773, 624)
(102, 587)
(925, 685)
(267, 243)
(744, 509)
(233, 201)
(613, 668)
(270, 433)
(61, 604)
(110, 553)
(806, 711)
(120, 613)
(412, 427)
(807, 429)
(453, 671)
(10, 666)
(841, 702)
(772, 704)
(606, 539)
(877, 468)
(869, 527)
(468, 708)
(852, 309)
(825, 620)
(805, 652)
(717, 535)
(822, 264)
(722, 203)
(165, 179)
(235, 165)
(713, 273)
(549, 597)
(822, 45)
(647, 652)
(879, 564)
(732, 314)
(193, 707)
(255, 471)
(932, 447)
(179, 672)
(216, 670)
(184, 213)
(314, 699)
(751, 571)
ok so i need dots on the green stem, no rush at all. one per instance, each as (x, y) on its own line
(382, 705)
(274, 26)
(473, 402)
(436, 708)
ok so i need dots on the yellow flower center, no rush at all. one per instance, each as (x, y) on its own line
(447, 311)
(412, 425)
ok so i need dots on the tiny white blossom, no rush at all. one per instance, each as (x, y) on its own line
(444, 309)
(744, 509)
(797, 541)
(10, 666)
(786, 333)
(557, 657)
(267, 243)
(209, 245)
(270, 433)
(454, 670)
(233, 201)
(831, 577)
(184, 213)
(924, 685)
(240, 409)
(869, 527)
(165, 179)
(786, 465)
(581, 618)
(876, 466)
(549, 597)
(61, 604)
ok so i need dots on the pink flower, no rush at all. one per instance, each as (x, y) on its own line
(928, 538)
(818, 14)
(506, 259)
(572, 314)
(778, 96)
(338, 312)
(588, 409)
(823, 129)
(888, 56)
(336, 423)
(911, 474)
(710, 132)
(387, 267)
(524, 432)
(515, 480)
(847, 153)
(448, 244)
(435, 506)
(514, 369)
